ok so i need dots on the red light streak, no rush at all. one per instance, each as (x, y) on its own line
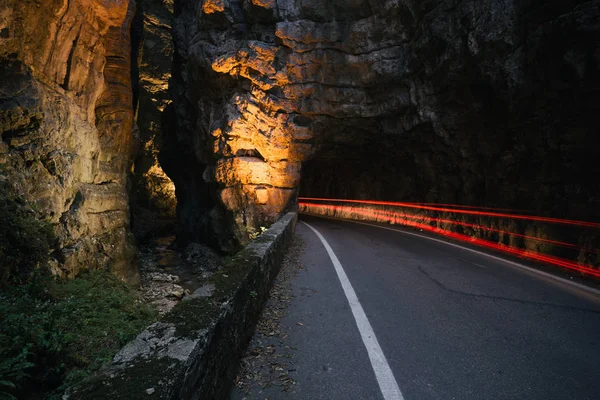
(392, 214)
(481, 242)
(463, 206)
(469, 212)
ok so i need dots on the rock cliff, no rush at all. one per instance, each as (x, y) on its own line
(66, 119)
(487, 102)
(153, 197)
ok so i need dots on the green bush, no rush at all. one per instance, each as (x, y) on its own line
(54, 333)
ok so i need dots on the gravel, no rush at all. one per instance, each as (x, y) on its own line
(269, 358)
(168, 275)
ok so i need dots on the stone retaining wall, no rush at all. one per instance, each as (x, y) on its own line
(193, 351)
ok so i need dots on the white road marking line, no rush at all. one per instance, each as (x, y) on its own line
(515, 264)
(387, 383)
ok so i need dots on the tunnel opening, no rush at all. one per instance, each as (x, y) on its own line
(422, 168)
(379, 163)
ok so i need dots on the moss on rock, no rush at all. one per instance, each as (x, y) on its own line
(24, 239)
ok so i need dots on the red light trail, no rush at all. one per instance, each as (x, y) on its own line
(469, 212)
(463, 206)
(407, 219)
(391, 214)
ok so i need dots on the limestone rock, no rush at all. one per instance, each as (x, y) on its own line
(478, 102)
(153, 195)
(66, 120)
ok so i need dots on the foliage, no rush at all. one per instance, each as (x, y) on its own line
(24, 239)
(253, 234)
(54, 333)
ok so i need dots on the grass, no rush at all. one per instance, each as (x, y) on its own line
(55, 333)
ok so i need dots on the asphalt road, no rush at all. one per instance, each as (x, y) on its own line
(450, 323)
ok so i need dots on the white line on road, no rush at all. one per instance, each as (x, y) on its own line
(383, 373)
(515, 264)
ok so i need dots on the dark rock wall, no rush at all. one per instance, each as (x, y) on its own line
(500, 112)
(66, 120)
(487, 102)
(153, 197)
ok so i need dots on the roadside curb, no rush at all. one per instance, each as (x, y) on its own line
(193, 351)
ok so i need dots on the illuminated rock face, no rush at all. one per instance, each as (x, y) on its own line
(66, 120)
(438, 101)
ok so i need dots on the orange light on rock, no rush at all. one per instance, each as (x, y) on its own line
(213, 6)
(262, 196)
